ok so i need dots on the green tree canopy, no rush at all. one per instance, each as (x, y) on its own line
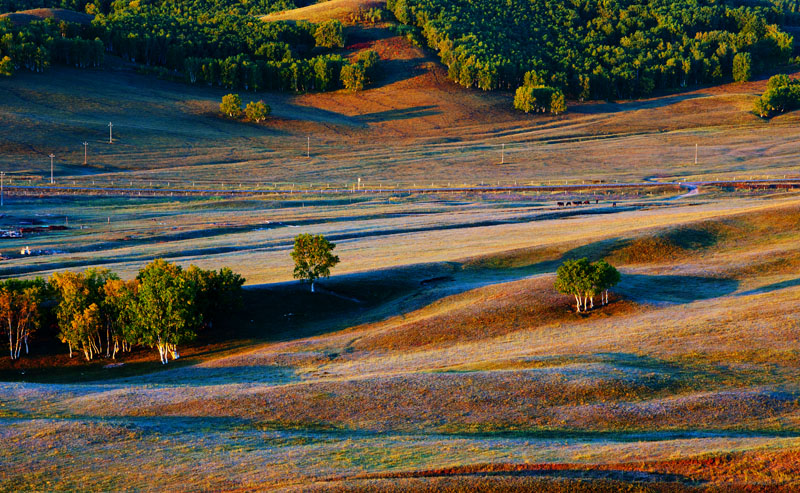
(354, 77)
(596, 49)
(119, 314)
(257, 111)
(539, 99)
(313, 258)
(165, 310)
(330, 34)
(782, 94)
(231, 105)
(585, 280)
(742, 67)
(217, 293)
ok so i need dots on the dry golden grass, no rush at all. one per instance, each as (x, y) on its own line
(331, 9)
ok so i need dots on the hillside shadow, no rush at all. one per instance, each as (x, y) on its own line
(674, 289)
(614, 107)
(289, 310)
(400, 114)
(548, 477)
(191, 376)
(772, 287)
(392, 71)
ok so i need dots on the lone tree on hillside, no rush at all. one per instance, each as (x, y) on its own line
(257, 111)
(231, 105)
(313, 257)
(586, 280)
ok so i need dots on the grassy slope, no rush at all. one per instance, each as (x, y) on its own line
(689, 379)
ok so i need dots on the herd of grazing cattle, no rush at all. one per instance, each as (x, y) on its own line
(578, 202)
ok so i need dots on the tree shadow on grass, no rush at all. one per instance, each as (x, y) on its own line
(613, 107)
(191, 376)
(674, 289)
(790, 283)
(400, 114)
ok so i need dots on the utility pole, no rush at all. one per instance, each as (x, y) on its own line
(2, 175)
(51, 167)
(110, 139)
(85, 151)
(503, 154)
(695, 154)
(308, 146)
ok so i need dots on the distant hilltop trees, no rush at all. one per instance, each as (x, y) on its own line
(591, 49)
(217, 43)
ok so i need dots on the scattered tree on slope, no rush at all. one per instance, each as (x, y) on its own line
(313, 258)
(231, 105)
(257, 111)
(782, 94)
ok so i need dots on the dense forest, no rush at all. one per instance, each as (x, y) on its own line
(599, 48)
(219, 43)
(547, 51)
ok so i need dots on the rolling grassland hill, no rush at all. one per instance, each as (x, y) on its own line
(438, 356)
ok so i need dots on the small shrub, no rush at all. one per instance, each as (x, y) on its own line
(257, 111)
(231, 105)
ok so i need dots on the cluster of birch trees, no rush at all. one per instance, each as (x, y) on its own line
(98, 314)
(585, 280)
